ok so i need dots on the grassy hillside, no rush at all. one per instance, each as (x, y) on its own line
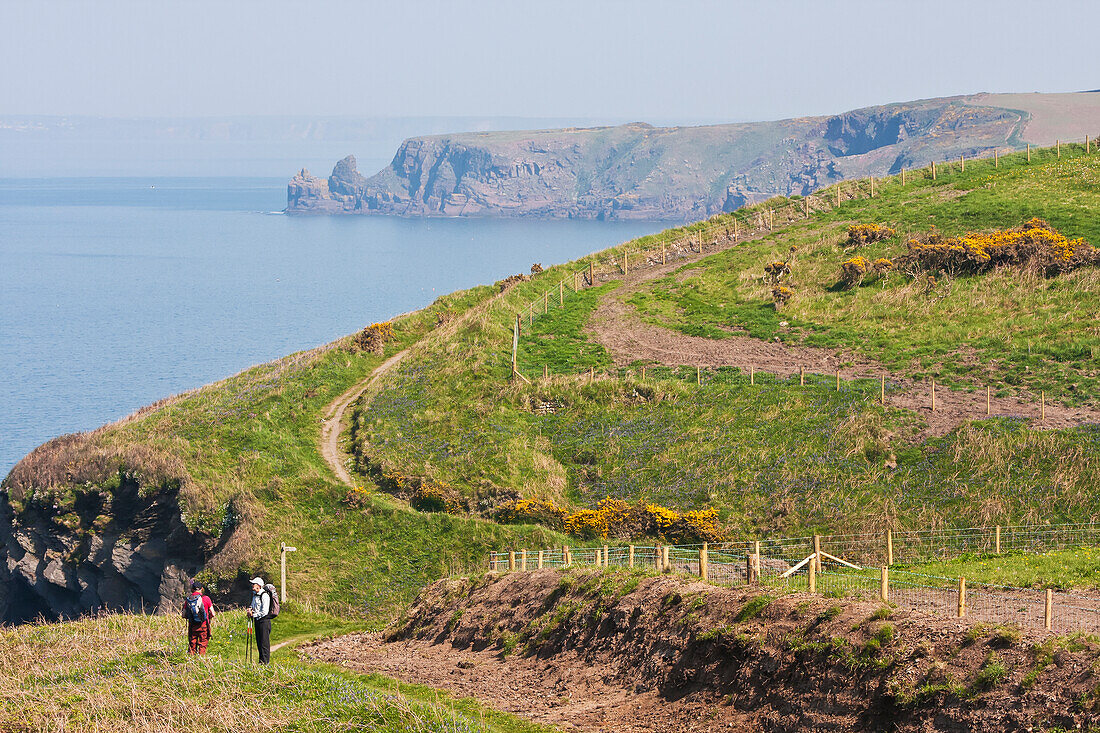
(133, 674)
(776, 456)
(243, 455)
(447, 430)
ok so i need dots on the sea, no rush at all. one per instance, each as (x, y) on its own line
(116, 292)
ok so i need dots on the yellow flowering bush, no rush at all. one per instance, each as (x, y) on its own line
(373, 338)
(533, 511)
(882, 264)
(587, 523)
(860, 234)
(702, 525)
(1035, 245)
(853, 270)
(782, 295)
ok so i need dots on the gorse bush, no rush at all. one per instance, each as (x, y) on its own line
(1035, 245)
(618, 518)
(374, 337)
(860, 234)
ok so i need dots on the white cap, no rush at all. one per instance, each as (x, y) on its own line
(257, 581)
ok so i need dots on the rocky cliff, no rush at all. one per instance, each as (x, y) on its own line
(637, 171)
(85, 527)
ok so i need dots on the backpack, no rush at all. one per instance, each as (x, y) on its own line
(196, 609)
(274, 609)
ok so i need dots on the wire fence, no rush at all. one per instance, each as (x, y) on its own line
(750, 221)
(862, 566)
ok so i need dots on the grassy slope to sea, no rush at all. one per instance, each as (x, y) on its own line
(777, 457)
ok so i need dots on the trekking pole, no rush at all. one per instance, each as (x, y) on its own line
(248, 641)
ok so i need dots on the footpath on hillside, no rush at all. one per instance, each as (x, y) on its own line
(618, 328)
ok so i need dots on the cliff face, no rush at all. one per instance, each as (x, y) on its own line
(85, 529)
(642, 172)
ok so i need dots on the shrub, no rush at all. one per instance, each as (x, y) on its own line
(853, 270)
(776, 271)
(1034, 245)
(782, 295)
(536, 268)
(532, 511)
(860, 234)
(373, 338)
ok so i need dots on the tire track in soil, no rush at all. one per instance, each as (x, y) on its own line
(617, 326)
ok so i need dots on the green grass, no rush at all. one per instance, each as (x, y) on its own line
(1017, 331)
(1077, 567)
(133, 673)
(775, 457)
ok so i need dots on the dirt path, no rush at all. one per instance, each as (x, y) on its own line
(333, 423)
(616, 325)
(566, 691)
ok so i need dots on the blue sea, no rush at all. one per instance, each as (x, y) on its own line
(117, 292)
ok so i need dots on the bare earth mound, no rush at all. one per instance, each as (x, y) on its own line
(618, 651)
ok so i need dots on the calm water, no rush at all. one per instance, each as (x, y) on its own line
(117, 292)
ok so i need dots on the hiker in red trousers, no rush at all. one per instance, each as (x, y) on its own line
(198, 609)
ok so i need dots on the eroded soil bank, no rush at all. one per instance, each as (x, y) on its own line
(620, 651)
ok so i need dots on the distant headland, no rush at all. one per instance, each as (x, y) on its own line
(637, 171)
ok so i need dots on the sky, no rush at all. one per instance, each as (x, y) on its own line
(688, 60)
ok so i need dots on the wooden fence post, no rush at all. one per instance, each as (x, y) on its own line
(988, 403)
(997, 540)
(903, 176)
(756, 561)
(1058, 148)
(576, 288)
(626, 262)
(591, 273)
(962, 597)
(546, 302)
(540, 560)
(566, 561)
(667, 561)
(801, 376)
(884, 589)
(752, 375)
(561, 294)
(658, 564)
(523, 560)
(698, 376)
(1029, 152)
(933, 395)
(703, 562)
(811, 574)
(962, 164)
(889, 547)
(817, 552)
(1048, 610)
(643, 374)
(837, 380)
(838, 194)
(515, 345)
(511, 559)
(933, 170)
(630, 557)
(996, 159)
(872, 186)
(663, 256)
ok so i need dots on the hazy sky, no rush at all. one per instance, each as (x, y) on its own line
(639, 60)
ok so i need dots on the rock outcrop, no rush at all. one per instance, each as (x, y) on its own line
(84, 530)
(638, 171)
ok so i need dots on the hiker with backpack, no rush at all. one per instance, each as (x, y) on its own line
(198, 609)
(265, 606)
